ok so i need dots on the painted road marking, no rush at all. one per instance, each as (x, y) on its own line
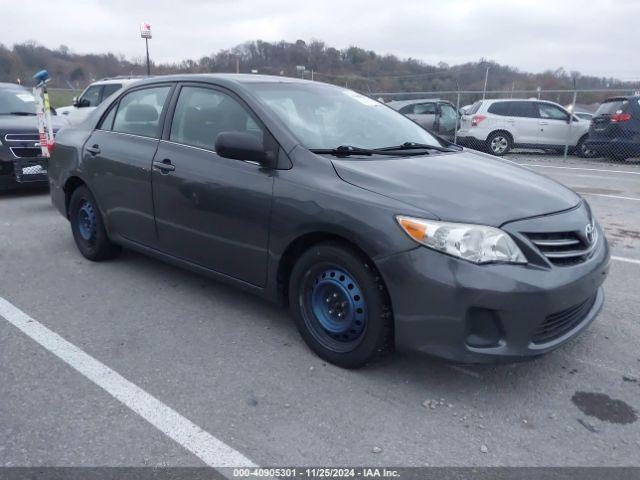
(213, 452)
(578, 168)
(626, 260)
(619, 197)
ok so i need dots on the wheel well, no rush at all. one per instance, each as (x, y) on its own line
(301, 245)
(72, 184)
(504, 132)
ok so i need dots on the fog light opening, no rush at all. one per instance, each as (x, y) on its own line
(483, 328)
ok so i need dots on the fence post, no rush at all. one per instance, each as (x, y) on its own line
(573, 107)
(455, 131)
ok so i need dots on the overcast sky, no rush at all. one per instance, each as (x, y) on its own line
(592, 36)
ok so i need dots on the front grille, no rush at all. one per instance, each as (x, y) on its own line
(557, 324)
(22, 137)
(26, 152)
(562, 248)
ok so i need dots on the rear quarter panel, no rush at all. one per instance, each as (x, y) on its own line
(65, 163)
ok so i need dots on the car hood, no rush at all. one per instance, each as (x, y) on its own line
(21, 124)
(461, 187)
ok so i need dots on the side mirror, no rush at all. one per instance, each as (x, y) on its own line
(75, 101)
(243, 146)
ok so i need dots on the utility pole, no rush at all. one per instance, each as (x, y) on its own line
(145, 32)
(486, 79)
(237, 64)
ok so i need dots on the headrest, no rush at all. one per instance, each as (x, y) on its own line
(141, 113)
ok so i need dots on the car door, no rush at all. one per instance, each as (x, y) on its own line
(448, 120)
(117, 159)
(521, 120)
(212, 211)
(424, 114)
(554, 124)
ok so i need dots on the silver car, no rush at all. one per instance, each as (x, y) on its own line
(437, 116)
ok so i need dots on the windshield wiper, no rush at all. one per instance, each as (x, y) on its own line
(415, 146)
(346, 150)
(20, 113)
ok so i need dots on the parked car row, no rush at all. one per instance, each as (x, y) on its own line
(498, 126)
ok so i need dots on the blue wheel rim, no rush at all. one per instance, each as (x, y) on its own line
(338, 306)
(86, 221)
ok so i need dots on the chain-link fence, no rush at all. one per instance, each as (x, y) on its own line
(602, 124)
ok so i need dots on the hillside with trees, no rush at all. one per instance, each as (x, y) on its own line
(359, 69)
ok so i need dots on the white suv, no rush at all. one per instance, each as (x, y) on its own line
(500, 125)
(92, 96)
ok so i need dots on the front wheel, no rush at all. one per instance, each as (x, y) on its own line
(340, 305)
(88, 228)
(499, 143)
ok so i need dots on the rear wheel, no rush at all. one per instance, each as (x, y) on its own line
(499, 143)
(88, 228)
(340, 305)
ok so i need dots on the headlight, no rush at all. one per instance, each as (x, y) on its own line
(475, 243)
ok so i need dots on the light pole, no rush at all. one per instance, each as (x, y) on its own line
(145, 32)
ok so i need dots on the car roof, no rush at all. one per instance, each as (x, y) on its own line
(402, 103)
(236, 78)
(116, 80)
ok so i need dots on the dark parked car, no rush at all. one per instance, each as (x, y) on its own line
(437, 116)
(374, 232)
(615, 128)
(21, 160)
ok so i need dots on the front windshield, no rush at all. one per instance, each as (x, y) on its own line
(323, 116)
(17, 101)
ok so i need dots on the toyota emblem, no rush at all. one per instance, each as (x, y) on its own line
(590, 233)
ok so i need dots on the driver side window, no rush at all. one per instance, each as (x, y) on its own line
(201, 114)
(552, 112)
(91, 97)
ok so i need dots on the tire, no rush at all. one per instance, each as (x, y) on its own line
(583, 151)
(340, 305)
(499, 143)
(87, 227)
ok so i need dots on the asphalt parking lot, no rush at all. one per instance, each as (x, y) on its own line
(232, 367)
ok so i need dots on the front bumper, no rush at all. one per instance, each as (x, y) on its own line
(469, 141)
(24, 171)
(468, 313)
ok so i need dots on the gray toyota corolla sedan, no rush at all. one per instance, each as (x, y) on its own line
(376, 233)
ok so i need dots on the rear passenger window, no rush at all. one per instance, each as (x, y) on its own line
(500, 108)
(201, 114)
(424, 109)
(139, 112)
(524, 109)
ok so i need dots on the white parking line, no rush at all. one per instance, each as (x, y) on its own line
(213, 452)
(578, 168)
(625, 259)
(619, 197)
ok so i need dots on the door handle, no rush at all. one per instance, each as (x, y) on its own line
(544, 123)
(165, 166)
(94, 150)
